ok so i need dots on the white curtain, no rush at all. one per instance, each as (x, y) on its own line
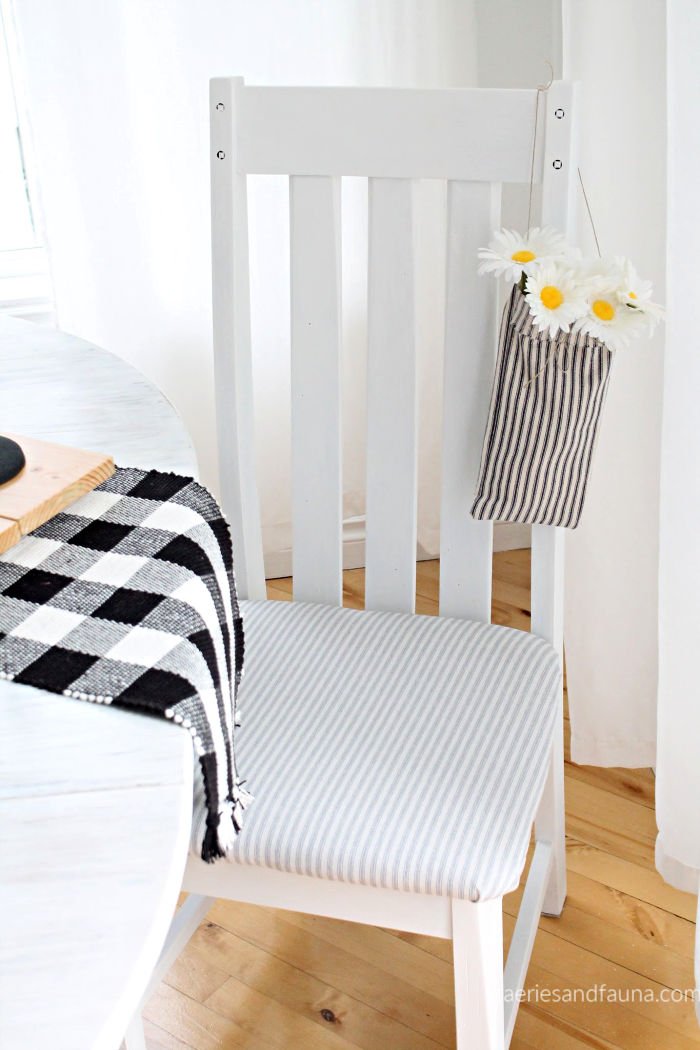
(617, 51)
(678, 768)
(117, 95)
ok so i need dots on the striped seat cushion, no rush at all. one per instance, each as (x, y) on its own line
(391, 750)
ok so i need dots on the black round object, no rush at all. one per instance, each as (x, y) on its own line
(11, 459)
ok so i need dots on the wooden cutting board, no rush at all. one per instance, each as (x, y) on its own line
(54, 477)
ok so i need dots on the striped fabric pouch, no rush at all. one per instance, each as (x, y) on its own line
(546, 404)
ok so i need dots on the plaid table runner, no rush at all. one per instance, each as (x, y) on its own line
(128, 598)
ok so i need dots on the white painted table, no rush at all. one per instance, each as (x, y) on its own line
(95, 803)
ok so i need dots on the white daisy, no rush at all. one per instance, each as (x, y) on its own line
(556, 298)
(636, 293)
(511, 255)
(599, 274)
(613, 322)
(633, 289)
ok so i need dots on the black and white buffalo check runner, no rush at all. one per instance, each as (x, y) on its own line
(128, 598)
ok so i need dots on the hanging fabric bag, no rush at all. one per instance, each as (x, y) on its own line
(546, 405)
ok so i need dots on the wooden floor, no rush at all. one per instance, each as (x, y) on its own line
(259, 979)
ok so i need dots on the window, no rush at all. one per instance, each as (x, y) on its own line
(25, 285)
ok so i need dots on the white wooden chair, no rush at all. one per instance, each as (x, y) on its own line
(398, 761)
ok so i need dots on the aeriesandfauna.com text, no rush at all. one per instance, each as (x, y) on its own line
(602, 993)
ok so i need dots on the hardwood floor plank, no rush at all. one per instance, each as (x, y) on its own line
(158, 1039)
(637, 784)
(512, 595)
(362, 1025)
(198, 1026)
(196, 974)
(340, 969)
(622, 827)
(632, 933)
(278, 1023)
(566, 970)
(622, 874)
(551, 1032)
(613, 1024)
(379, 948)
(556, 963)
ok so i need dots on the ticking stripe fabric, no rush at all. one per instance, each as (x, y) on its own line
(392, 750)
(128, 598)
(541, 432)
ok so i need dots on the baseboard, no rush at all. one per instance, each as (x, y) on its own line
(278, 564)
(506, 537)
(510, 536)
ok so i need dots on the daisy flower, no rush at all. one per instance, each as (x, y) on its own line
(511, 255)
(596, 276)
(620, 305)
(636, 293)
(556, 297)
(633, 290)
(611, 320)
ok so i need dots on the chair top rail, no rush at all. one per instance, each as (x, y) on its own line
(471, 134)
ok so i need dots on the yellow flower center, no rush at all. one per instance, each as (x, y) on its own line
(523, 256)
(603, 309)
(632, 295)
(551, 297)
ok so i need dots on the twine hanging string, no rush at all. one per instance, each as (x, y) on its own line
(552, 355)
(590, 213)
(542, 89)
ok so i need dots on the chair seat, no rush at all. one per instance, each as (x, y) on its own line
(391, 750)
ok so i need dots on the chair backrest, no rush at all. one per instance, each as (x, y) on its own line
(472, 139)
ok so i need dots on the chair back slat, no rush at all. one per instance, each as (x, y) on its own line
(390, 553)
(315, 375)
(473, 211)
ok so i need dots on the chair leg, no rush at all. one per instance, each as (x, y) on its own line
(477, 945)
(550, 822)
(134, 1038)
(185, 921)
